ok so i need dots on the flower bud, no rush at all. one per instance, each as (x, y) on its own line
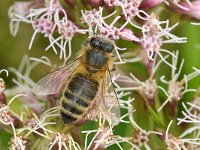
(193, 9)
(127, 34)
(2, 98)
(96, 3)
(2, 95)
(148, 4)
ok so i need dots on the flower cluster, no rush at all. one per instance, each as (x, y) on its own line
(53, 22)
(142, 101)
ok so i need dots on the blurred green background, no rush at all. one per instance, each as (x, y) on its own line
(12, 49)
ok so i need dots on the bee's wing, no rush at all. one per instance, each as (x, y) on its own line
(53, 82)
(109, 103)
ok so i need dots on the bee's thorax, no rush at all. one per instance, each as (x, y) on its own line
(95, 60)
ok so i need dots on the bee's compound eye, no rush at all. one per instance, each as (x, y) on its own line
(95, 42)
(108, 47)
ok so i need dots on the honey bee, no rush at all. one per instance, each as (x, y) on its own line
(84, 81)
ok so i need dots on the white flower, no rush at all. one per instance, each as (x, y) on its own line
(154, 36)
(176, 89)
(37, 124)
(148, 88)
(180, 143)
(191, 115)
(18, 143)
(61, 140)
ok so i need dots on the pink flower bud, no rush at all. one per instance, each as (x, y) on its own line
(2, 95)
(148, 4)
(193, 9)
(96, 3)
(2, 98)
(127, 34)
(44, 26)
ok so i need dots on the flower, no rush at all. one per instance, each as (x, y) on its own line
(96, 3)
(147, 88)
(66, 30)
(19, 143)
(111, 3)
(103, 137)
(5, 116)
(2, 88)
(176, 89)
(46, 20)
(190, 116)
(37, 124)
(139, 34)
(154, 36)
(9, 117)
(18, 9)
(141, 136)
(60, 140)
(130, 8)
(179, 142)
(178, 3)
(44, 26)
(94, 19)
(192, 9)
(24, 83)
(141, 139)
(148, 4)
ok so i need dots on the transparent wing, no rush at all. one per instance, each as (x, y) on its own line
(109, 103)
(53, 82)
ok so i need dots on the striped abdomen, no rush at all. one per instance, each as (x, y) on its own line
(78, 96)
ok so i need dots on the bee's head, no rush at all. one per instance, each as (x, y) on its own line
(102, 43)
